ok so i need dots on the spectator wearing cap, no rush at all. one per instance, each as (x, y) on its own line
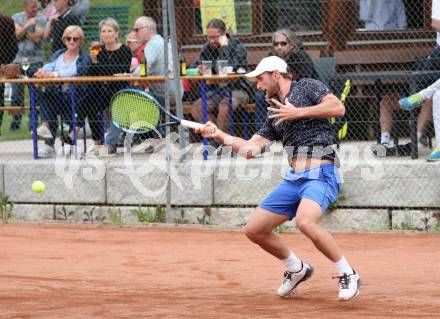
(298, 118)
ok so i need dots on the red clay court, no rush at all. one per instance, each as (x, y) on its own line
(57, 271)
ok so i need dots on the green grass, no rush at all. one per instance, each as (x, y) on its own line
(21, 134)
(115, 216)
(149, 214)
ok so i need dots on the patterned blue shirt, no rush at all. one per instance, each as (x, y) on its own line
(311, 138)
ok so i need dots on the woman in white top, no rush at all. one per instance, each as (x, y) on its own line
(68, 62)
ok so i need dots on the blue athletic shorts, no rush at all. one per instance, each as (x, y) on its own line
(320, 184)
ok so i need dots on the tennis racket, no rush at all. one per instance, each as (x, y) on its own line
(341, 123)
(135, 111)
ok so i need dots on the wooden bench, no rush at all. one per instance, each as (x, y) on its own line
(14, 110)
(369, 56)
(97, 13)
(379, 59)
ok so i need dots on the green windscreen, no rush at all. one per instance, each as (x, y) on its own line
(135, 112)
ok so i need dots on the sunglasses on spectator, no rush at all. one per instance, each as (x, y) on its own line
(138, 29)
(282, 43)
(74, 39)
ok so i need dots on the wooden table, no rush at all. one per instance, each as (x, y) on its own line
(71, 82)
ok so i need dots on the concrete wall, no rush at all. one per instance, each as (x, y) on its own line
(212, 192)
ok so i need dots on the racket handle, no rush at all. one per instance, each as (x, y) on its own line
(191, 124)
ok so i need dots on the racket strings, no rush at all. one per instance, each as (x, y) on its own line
(135, 112)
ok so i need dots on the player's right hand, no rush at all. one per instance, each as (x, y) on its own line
(209, 130)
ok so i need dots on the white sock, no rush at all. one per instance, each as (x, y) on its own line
(419, 135)
(292, 263)
(343, 267)
(385, 137)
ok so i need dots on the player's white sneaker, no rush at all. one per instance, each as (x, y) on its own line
(293, 279)
(349, 285)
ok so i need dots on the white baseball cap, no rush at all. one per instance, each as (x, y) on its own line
(269, 64)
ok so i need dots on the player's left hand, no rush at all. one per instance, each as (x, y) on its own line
(284, 112)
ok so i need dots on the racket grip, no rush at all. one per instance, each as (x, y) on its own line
(191, 124)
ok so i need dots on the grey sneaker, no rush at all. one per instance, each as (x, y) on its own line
(293, 279)
(88, 131)
(384, 149)
(349, 285)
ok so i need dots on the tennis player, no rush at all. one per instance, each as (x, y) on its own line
(298, 117)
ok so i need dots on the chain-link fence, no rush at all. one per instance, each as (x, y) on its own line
(371, 54)
(334, 37)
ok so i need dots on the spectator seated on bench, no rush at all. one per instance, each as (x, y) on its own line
(222, 46)
(63, 63)
(113, 58)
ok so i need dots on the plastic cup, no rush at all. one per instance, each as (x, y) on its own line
(95, 48)
(192, 72)
(207, 68)
(229, 69)
(221, 67)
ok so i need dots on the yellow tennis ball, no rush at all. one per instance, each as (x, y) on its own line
(38, 186)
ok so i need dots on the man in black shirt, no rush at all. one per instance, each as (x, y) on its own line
(221, 45)
(56, 24)
(298, 117)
